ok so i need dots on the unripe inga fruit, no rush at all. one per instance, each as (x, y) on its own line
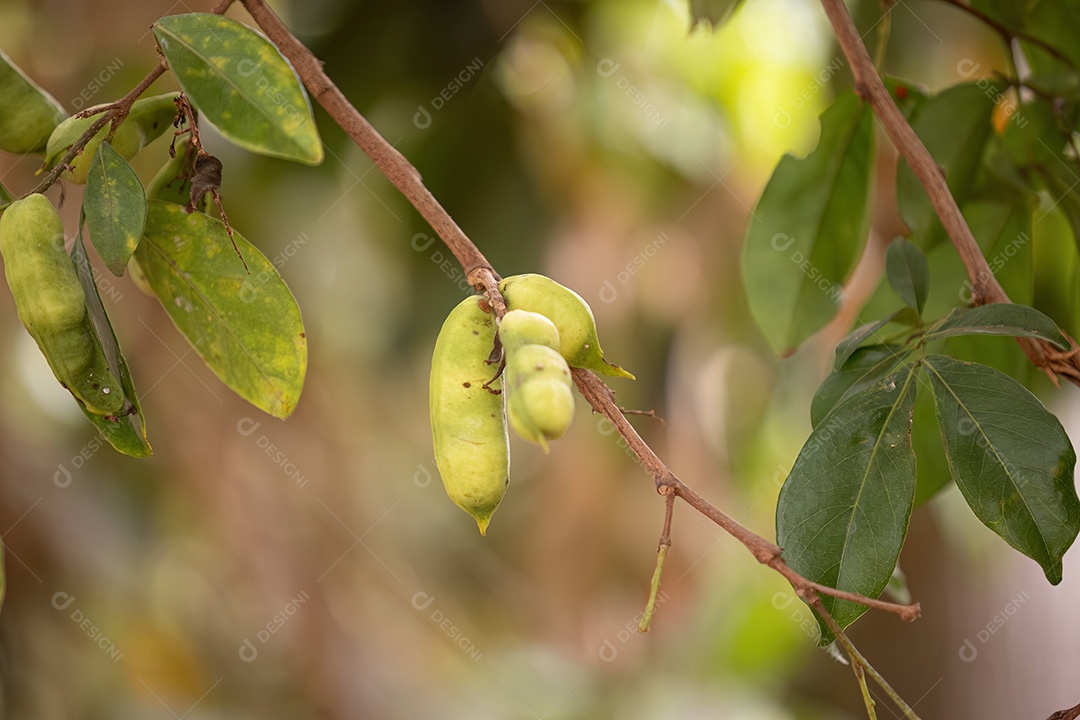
(52, 305)
(468, 423)
(521, 327)
(540, 400)
(578, 341)
(147, 120)
(28, 114)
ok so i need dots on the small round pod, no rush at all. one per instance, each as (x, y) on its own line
(521, 327)
(578, 340)
(468, 422)
(51, 303)
(540, 399)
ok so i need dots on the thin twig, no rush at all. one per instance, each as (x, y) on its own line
(646, 413)
(114, 113)
(868, 699)
(1007, 33)
(985, 286)
(662, 549)
(856, 657)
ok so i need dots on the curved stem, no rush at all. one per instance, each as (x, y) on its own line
(1009, 34)
(392, 163)
(483, 276)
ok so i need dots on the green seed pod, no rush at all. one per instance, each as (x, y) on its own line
(521, 327)
(578, 341)
(468, 423)
(148, 119)
(52, 305)
(28, 114)
(540, 401)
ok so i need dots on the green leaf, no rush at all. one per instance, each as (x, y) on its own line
(1010, 458)
(5, 197)
(843, 511)
(908, 272)
(1057, 23)
(852, 342)
(1056, 270)
(809, 228)
(954, 125)
(28, 114)
(242, 84)
(999, 319)
(246, 327)
(1002, 226)
(865, 366)
(713, 12)
(115, 207)
(932, 466)
(1009, 12)
(127, 434)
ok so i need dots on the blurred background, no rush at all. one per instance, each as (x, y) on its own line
(315, 567)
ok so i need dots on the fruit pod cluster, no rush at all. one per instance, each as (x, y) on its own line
(547, 330)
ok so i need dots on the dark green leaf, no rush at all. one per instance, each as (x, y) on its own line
(1057, 270)
(127, 434)
(1010, 458)
(1036, 135)
(1002, 225)
(954, 125)
(1061, 182)
(246, 327)
(5, 197)
(999, 319)
(933, 467)
(1008, 12)
(115, 207)
(851, 343)
(242, 84)
(28, 114)
(866, 365)
(809, 228)
(1056, 23)
(843, 512)
(908, 273)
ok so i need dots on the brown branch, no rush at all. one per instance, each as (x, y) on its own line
(985, 286)
(1071, 714)
(483, 276)
(392, 163)
(602, 400)
(114, 113)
